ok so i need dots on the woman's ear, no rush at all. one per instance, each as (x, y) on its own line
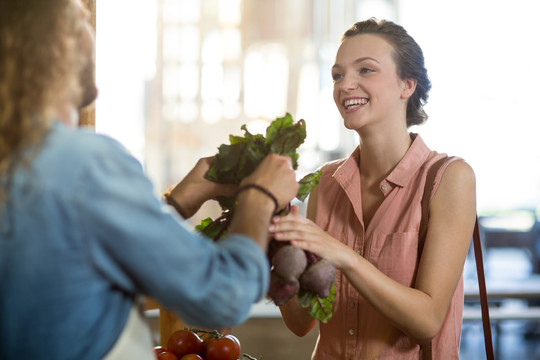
(409, 85)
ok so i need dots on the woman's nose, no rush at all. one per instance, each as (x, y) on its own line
(349, 83)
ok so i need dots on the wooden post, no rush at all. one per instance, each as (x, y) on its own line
(87, 115)
(168, 323)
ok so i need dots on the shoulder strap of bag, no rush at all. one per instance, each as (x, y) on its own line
(483, 294)
(426, 197)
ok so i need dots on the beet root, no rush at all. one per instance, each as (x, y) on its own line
(274, 246)
(281, 290)
(289, 262)
(311, 258)
(319, 277)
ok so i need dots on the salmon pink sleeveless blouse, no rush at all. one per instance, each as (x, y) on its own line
(390, 242)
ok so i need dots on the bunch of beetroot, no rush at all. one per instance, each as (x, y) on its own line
(296, 272)
(293, 271)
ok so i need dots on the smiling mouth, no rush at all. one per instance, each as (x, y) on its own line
(354, 103)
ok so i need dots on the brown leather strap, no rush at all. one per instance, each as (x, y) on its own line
(427, 352)
(483, 294)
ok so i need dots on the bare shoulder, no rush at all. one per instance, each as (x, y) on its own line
(457, 186)
(458, 173)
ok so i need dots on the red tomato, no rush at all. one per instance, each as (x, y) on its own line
(191, 357)
(166, 355)
(183, 342)
(236, 341)
(223, 348)
(159, 349)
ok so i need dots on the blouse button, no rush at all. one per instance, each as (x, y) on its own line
(384, 186)
(351, 332)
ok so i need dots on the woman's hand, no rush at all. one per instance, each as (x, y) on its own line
(275, 173)
(194, 190)
(306, 235)
(254, 206)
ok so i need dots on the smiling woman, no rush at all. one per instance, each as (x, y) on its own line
(408, 64)
(364, 215)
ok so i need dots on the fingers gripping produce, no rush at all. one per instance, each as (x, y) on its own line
(293, 271)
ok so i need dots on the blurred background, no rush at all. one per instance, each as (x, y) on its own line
(176, 77)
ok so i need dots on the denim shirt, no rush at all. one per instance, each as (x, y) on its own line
(82, 233)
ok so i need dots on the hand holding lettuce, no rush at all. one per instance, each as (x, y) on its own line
(240, 158)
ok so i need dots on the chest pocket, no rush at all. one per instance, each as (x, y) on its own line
(396, 255)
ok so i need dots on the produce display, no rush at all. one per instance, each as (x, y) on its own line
(293, 271)
(187, 344)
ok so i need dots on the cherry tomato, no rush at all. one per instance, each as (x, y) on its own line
(183, 342)
(166, 355)
(191, 357)
(236, 341)
(159, 349)
(223, 348)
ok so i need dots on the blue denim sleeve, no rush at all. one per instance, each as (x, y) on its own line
(142, 246)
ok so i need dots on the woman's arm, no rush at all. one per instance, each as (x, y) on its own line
(254, 209)
(419, 311)
(134, 245)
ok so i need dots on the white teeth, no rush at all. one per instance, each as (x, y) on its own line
(355, 102)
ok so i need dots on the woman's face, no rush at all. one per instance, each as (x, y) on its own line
(367, 89)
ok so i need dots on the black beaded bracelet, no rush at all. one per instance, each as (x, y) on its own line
(170, 200)
(261, 189)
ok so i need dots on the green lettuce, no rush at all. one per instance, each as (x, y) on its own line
(238, 159)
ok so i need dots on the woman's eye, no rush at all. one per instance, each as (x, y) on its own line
(336, 77)
(365, 70)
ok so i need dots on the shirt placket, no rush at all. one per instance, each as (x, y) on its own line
(351, 326)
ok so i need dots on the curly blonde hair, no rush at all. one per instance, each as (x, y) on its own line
(39, 66)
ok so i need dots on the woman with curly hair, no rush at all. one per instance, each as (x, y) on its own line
(39, 68)
(82, 234)
(399, 290)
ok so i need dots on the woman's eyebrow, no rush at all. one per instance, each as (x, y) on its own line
(357, 61)
(362, 59)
